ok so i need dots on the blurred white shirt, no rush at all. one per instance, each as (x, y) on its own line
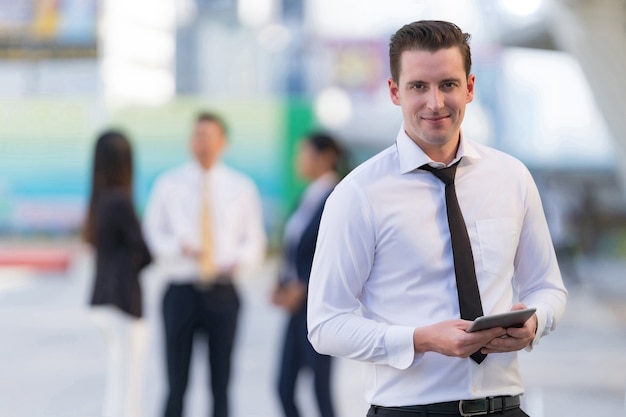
(173, 216)
(383, 266)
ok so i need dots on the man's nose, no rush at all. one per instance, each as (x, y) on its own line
(435, 100)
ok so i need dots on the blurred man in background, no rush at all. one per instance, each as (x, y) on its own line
(203, 223)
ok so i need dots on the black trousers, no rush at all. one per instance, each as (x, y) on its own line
(517, 412)
(298, 354)
(187, 310)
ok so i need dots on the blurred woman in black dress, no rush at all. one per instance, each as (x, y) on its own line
(316, 162)
(113, 230)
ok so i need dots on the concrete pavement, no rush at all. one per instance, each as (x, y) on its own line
(52, 357)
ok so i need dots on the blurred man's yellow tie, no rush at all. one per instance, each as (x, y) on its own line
(207, 261)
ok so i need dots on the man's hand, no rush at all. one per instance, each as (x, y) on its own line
(291, 296)
(190, 251)
(517, 338)
(450, 338)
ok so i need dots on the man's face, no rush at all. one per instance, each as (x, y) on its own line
(306, 159)
(432, 91)
(207, 143)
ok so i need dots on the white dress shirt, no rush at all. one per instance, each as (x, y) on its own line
(173, 216)
(383, 266)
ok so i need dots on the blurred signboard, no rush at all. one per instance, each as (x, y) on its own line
(48, 29)
(358, 66)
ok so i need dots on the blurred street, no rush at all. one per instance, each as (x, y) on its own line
(52, 357)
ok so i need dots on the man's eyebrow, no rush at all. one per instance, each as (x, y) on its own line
(446, 80)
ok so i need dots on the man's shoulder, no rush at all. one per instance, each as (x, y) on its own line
(234, 176)
(377, 166)
(174, 175)
(171, 178)
(498, 157)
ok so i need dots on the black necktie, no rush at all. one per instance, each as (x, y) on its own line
(466, 284)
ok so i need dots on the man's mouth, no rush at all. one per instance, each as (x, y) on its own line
(435, 119)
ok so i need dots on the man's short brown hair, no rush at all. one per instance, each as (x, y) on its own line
(205, 116)
(428, 35)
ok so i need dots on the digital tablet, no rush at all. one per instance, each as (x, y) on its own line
(515, 318)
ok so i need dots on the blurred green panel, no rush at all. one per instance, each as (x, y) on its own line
(299, 121)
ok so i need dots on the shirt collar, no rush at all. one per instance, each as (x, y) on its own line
(412, 157)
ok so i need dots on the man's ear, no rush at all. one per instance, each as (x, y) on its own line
(470, 88)
(393, 91)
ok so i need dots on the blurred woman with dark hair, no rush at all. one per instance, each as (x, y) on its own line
(113, 230)
(317, 162)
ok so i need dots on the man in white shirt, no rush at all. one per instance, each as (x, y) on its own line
(383, 288)
(204, 223)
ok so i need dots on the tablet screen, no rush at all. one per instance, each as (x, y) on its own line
(515, 318)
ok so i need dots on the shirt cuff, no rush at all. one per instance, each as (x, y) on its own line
(399, 346)
(541, 326)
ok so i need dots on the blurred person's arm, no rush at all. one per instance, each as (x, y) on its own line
(160, 235)
(252, 242)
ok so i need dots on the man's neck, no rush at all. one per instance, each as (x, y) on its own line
(444, 154)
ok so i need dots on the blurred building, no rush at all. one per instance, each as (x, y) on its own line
(549, 91)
